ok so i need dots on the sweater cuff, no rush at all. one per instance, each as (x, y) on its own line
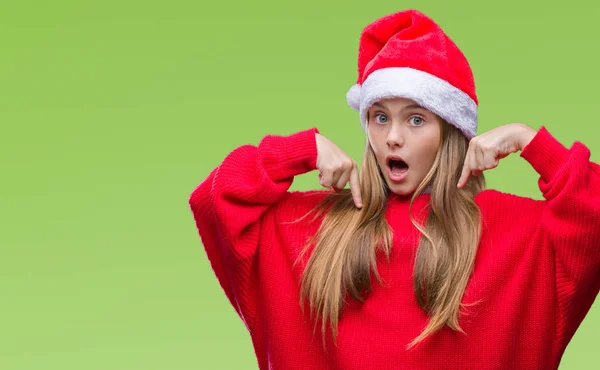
(545, 154)
(291, 155)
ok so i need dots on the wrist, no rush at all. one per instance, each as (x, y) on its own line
(526, 134)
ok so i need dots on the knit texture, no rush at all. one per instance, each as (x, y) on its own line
(536, 270)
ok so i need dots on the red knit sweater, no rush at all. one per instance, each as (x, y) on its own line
(537, 266)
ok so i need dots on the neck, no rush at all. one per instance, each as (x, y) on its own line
(425, 195)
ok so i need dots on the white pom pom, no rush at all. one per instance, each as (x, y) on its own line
(353, 97)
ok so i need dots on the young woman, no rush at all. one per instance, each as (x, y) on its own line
(416, 265)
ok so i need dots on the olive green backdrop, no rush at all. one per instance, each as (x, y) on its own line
(113, 111)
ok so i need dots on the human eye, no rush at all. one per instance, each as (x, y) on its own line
(383, 118)
(419, 120)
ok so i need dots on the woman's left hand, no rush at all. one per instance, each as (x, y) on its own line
(486, 150)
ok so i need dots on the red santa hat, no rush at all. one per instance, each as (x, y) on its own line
(406, 54)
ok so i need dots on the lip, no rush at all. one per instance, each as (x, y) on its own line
(392, 156)
(397, 178)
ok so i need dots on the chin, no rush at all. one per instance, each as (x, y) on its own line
(402, 190)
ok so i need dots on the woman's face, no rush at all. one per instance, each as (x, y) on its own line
(398, 127)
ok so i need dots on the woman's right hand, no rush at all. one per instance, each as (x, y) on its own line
(336, 168)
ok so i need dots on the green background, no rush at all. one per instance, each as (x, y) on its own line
(112, 112)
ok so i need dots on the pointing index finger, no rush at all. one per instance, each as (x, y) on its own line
(464, 175)
(355, 187)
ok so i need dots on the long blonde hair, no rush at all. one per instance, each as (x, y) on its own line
(349, 238)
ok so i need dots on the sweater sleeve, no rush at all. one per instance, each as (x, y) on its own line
(228, 204)
(570, 222)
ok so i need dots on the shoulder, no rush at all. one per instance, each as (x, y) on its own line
(497, 204)
(499, 198)
(293, 205)
(298, 203)
(295, 218)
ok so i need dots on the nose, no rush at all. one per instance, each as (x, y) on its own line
(395, 136)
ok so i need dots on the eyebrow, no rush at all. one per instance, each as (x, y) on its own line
(410, 106)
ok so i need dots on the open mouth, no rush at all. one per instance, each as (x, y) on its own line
(397, 166)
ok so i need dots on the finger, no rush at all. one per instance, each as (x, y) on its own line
(321, 179)
(464, 176)
(335, 177)
(355, 187)
(478, 164)
(490, 160)
(333, 180)
(473, 163)
(480, 159)
(343, 180)
(466, 171)
(340, 182)
(325, 178)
